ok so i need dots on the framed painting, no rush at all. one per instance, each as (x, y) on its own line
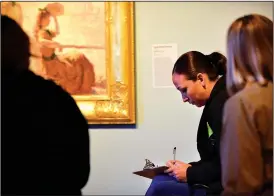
(88, 49)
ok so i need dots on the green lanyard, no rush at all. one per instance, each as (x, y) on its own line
(209, 130)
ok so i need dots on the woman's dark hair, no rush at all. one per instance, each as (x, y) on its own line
(194, 62)
(15, 45)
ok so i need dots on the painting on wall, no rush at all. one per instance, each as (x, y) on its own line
(88, 49)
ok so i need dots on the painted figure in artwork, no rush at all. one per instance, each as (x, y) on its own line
(72, 70)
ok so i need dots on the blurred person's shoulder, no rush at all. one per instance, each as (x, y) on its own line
(53, 98)
(252, 97)
(254, 92)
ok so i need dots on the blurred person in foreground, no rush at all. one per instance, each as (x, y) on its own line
(45, 140)
(247, 135)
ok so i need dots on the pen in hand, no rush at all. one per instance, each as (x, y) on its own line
(169, 163)
(174, 155)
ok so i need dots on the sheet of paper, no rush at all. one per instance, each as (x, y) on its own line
(163, 58)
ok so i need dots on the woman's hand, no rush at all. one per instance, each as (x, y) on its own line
(171, 166)
(65, 61)
(177, 169)
(180, 171)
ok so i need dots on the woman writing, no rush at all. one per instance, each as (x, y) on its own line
(198, 78)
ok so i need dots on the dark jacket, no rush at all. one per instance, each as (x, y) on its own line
(207, 171)
(248, 133)
(45, 140)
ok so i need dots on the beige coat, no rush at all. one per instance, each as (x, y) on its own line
(247, 142)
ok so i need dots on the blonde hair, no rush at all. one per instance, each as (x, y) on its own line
(249, 52)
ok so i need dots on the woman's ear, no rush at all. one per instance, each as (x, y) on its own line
(201, 79)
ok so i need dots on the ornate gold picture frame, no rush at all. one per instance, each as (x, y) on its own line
(102, 37)
(118, 107)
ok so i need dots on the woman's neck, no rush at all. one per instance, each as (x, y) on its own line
(211, 85)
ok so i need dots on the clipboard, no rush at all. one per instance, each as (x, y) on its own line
(151, 172)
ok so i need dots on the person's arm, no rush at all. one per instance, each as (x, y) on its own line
(54, 44)
(57, 29)
(205, 172)
(241, 156)
(194, 163)
(49, 43)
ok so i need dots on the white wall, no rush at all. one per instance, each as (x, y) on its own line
(164, 122)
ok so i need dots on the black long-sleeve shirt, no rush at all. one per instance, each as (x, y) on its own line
(208, 170)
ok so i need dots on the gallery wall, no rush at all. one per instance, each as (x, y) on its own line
(163, 120)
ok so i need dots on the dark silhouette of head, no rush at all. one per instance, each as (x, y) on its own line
(15, 46)
(195, 74)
